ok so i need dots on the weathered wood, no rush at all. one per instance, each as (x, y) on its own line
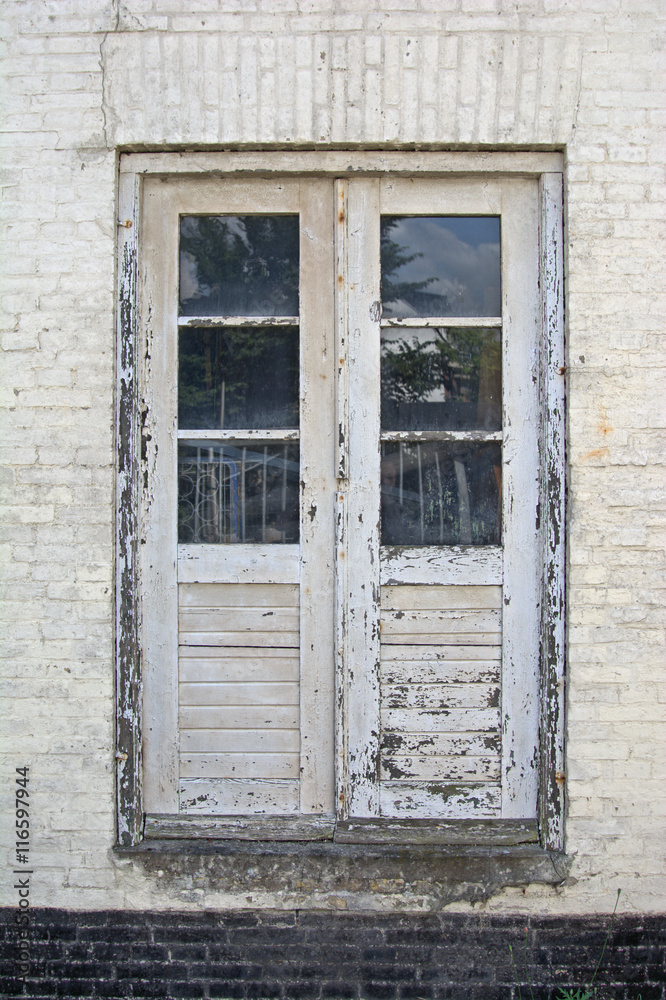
(240, 595)
(239, 717)
(247, 322)
(242, 669)
(363, 499)
(477, 566)
(271, 640)
(436, 768)
(240, 765)
(238, 796)
(436, 696)
(412, 436)
(434, 639)
(440, 800)
(262, 828)
(434, 671)
(239, 740)
(244, 693)
(433, 322)
(441, 744)
(440, 654)
(317, 479)
(553, 487)
(128, 642)
(415, 831)
(239, 435)
(337, 163)
(254, 620)
(407, 597)
(414, 720)
(520, 499)
(247, 563)
(159, 279)
(444, 623)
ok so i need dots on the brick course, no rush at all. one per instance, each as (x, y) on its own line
(262, 954)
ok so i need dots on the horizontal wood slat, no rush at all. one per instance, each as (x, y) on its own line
(239, 765)
(448, 800)
(431, 639)
(455, 720)
(272, 640)
(263, 693)
(439, 622)
(242, 595)
(239, 740)
(438, 671)
(431, 768)
(439, 653)
(232, 796)
(239, 717)
(441, 744)
(237, 620)
(409, 597)
(434, 697)
(249, 669)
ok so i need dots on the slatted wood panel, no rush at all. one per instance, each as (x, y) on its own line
(440, 701)
(239, 698)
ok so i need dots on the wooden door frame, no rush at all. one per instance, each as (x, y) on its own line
(547, 168)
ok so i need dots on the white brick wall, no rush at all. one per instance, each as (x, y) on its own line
(83, 77)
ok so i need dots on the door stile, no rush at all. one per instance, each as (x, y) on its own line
(159, 326)
(341, 288)
(520, 499)
(317, 570)
(362, 594)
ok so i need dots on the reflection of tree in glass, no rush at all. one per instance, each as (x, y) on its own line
(243, 265)
(453, 361)
(238, 377)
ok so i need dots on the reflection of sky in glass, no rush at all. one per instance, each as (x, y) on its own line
(462, 256)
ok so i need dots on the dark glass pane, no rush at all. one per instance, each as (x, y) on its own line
(239, 265)
(238, 377)
(441, 493)
(441, 379)
(245, 492)
(440, 265)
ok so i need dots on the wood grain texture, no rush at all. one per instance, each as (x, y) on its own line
(439, 800)
(242, 693)
(434, 697)
(263, 740)
(239, 717)
(438, 768)
(454, 720)
(235, 668)
(439, 671)
(238, 796)
(239, 765)
(238, 595)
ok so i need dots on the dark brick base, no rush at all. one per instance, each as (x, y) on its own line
(316, 955)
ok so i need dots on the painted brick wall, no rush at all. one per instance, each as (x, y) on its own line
(83, 77)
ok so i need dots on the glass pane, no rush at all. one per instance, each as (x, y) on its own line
(441, 493)
(239, 265)
(448, 378)
(238, 377)
(440, 265)
(245, 492)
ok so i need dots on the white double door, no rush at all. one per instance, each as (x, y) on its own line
(327, 675)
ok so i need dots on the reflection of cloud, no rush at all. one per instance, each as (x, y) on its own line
(189, 281)
(469, 275)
